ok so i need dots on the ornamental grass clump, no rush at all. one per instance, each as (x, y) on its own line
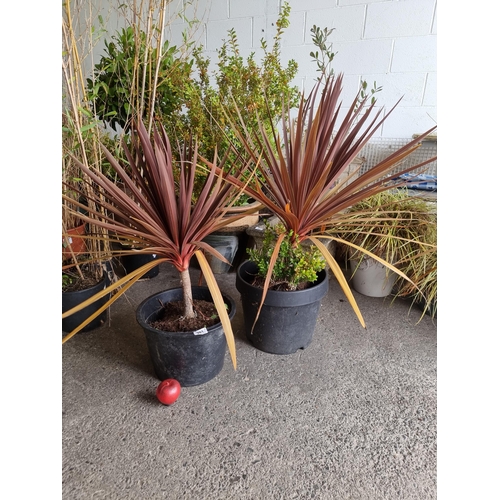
(402, 229)
(392, 224)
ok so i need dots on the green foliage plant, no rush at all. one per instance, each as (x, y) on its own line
(242, 87)
(323, 57)
(134, 78)
(301, 167)
(296, 265)
(67, 281)
(140, 76)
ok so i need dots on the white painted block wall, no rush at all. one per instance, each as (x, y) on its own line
(391, 42)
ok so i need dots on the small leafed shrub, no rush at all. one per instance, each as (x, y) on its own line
(296, 265)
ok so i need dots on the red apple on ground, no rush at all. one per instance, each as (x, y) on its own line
(168, 391)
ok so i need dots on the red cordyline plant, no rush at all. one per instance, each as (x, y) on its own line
(300, 170)
(154, 210)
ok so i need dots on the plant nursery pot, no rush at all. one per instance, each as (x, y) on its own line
(287, 319)
(371, 278)
(76, 243)
(226, 245)
(190, 358)
(132, 262)
(72, 299)
(244, 222)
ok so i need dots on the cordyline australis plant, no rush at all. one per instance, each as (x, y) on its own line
(154, 209)
(300, 170)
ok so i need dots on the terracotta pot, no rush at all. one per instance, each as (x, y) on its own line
(248, 220)
(73, 240)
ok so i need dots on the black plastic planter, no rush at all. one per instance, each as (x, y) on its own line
(72, 299)
(189, 358)
(287, 320)
(132, 262)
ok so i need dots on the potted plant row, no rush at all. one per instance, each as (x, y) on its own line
(169, 201)
(114, 96)
(298, 184)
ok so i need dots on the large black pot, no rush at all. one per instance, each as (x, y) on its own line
(72, 299)
(132, 262)
(287, 319)
(191, 359)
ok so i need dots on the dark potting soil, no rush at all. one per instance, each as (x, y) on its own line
(280, 286)
(171, 317)
(75, 283)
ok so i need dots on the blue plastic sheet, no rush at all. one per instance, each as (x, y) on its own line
(420, 181)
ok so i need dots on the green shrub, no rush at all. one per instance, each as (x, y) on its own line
(296, 265)
(132, 80)
(241, 86)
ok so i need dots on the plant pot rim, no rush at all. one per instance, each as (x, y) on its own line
(144, 322)
(316, 291)
(244, 208)
(357, 255)
(85, 290)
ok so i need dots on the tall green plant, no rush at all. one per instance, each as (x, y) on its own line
(300, 169)
(134, 78)
(242, 86)
(81, 134)
(323, 57)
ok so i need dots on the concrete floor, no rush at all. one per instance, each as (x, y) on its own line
(353, 416)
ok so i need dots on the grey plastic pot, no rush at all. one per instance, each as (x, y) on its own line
(191, 359)
(287, 320)
(371, 278)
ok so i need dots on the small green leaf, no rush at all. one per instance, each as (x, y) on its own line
(88, 127)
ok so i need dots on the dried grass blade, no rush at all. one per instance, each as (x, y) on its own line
(265, 288)
(219, 304)
(339, 275)
(123, 284)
